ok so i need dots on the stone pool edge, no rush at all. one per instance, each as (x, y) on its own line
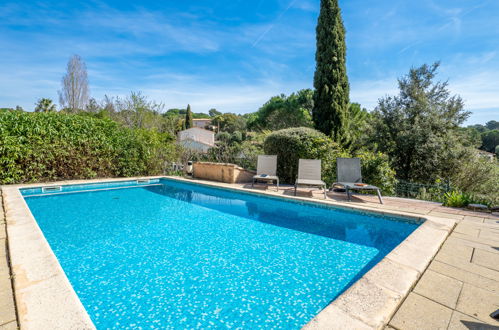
(46, 299)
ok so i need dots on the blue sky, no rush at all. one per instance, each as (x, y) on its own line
(234, 55)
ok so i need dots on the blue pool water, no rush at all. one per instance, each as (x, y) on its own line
(180, 255)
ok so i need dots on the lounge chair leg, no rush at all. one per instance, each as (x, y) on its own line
(277, 184)
(253, 183)
(379, 196)
(295, 189)
(348, 195)
(325, 196)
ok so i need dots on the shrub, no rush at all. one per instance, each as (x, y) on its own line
(478, 176)
(376, 170)
(457, 199)
(291, 144)
(57, 146)
(248, 156)
(223, 136)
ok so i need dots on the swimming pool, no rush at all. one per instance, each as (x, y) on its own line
(173, 254)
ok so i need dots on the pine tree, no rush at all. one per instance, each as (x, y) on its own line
(331, 96)
(188, 117)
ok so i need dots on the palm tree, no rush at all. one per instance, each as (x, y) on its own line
(44, 105)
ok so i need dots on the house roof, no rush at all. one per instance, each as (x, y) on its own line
(197, 128)
(198, 135)
(197, 141)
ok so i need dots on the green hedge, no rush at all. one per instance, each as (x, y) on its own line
(38, 147)
(291, 144)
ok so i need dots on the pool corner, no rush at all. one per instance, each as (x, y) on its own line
(44, 297)
(371, 302)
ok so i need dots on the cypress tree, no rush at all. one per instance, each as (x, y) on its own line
(188, 117)
(331, 95)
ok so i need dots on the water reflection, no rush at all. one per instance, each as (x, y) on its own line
(353, 227)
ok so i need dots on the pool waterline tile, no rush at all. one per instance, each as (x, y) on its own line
(370, 210)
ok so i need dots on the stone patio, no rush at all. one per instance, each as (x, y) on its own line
(459, 289)
(7, 307)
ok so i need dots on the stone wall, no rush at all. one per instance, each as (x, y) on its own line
(228, 173)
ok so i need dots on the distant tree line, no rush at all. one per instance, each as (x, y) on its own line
(486, 136)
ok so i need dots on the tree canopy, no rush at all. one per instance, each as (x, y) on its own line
(418, 128)
(490, 140)
(487, 135)
(493, 124)
(284, 112)
(214, 112)
(331, 97)
(229, 122)
(74, 93)
(44, 105)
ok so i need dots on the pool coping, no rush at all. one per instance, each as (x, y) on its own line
(46, 299)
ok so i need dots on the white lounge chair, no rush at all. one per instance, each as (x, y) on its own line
(266, 170)
(309, 174)
(349, 176)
